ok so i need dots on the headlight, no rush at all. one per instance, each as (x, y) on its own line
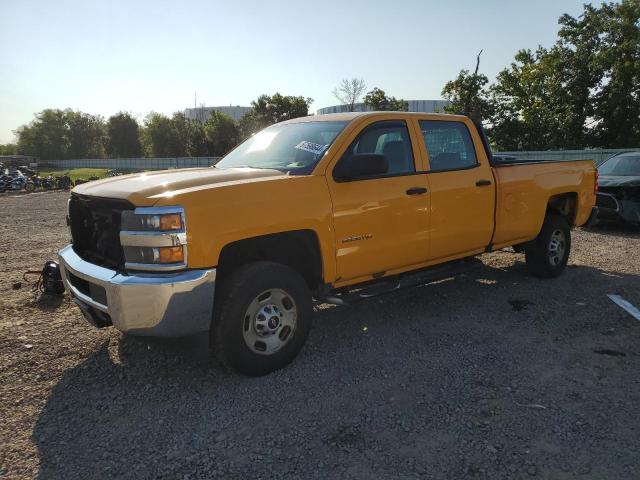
(154, 238)
(154, 255)
(150, 222)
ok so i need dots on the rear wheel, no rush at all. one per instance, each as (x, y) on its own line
(547, 255)
(262, 318)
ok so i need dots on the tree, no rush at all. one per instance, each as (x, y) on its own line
(177, 136)
(123, 136)
(8, 149)
(157, 135)
(527, 104)
(584, 91)
(377, 99)
(617, 103)
(249, 124)
(579, 41)
(267, 110)
(467, 94)
(62, 134)
(47, 136)
(349, 91)
(86, 134)
(221, 134)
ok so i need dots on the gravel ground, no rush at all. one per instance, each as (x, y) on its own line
(493, 374)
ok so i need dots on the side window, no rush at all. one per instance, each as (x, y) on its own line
(390, 139)
(448, 144)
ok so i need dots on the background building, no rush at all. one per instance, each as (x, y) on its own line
(426, 106)
(202, 114)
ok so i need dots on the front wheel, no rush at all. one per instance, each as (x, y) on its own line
(547, 255)
(262, 318)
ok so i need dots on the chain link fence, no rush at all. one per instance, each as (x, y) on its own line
(597, 155)
(131, 163)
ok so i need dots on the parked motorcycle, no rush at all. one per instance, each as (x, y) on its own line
(5, 181)
(64, 182)
(48, 183)
(20, 182)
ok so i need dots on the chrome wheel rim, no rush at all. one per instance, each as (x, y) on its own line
(557, 247)
(270, 321)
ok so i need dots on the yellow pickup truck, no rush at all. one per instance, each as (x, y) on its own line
(326, 208)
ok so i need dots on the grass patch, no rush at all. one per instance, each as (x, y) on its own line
(75, 173)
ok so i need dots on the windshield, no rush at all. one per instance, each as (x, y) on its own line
(294, 148)
(621, 165)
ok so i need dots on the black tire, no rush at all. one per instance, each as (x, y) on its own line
(543, 254)
(232, 322)
(29, 187)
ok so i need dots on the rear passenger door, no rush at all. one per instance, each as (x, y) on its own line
(462, 189)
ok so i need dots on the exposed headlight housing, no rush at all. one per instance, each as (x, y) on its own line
(154, 238)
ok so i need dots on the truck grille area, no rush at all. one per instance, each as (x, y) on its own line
(95, 229)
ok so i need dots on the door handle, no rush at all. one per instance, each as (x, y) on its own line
(483, 183)
(416, 191)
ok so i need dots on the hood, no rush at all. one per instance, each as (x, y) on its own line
(619, 181)
(146, 188)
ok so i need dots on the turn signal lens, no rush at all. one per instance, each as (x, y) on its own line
(171, 255)
(171, 222)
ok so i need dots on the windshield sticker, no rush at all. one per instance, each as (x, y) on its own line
(311, 147)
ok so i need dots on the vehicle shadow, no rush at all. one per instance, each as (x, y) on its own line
(614, 229)
(140, 408)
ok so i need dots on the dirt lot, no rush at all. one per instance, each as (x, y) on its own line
(491, 375)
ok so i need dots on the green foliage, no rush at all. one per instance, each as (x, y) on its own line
(582, 92)
(8, 149)
(268, 110)
(156, 135)
(123, 136)
(75, 173)
(62, 134)
(86, 135)
(377, 99)
(221, 134)
(46, 136)
(529, 103)
(468, 95)
(617, 103)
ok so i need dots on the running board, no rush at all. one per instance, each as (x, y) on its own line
(397, 282)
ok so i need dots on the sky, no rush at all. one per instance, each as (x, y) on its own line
(102, 57)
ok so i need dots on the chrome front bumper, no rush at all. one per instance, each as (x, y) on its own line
(154, 304)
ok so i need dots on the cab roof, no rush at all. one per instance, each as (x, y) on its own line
(349, 116)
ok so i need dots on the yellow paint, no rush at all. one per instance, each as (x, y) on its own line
(390, 231)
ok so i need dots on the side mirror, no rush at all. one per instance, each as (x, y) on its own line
(360, 165)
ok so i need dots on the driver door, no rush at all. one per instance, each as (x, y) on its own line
(381, 222)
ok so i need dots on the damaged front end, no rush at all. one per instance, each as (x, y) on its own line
(618, 190)
(618, 203)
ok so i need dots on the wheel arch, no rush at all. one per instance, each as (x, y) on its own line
(564, 204)
(298, 249)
